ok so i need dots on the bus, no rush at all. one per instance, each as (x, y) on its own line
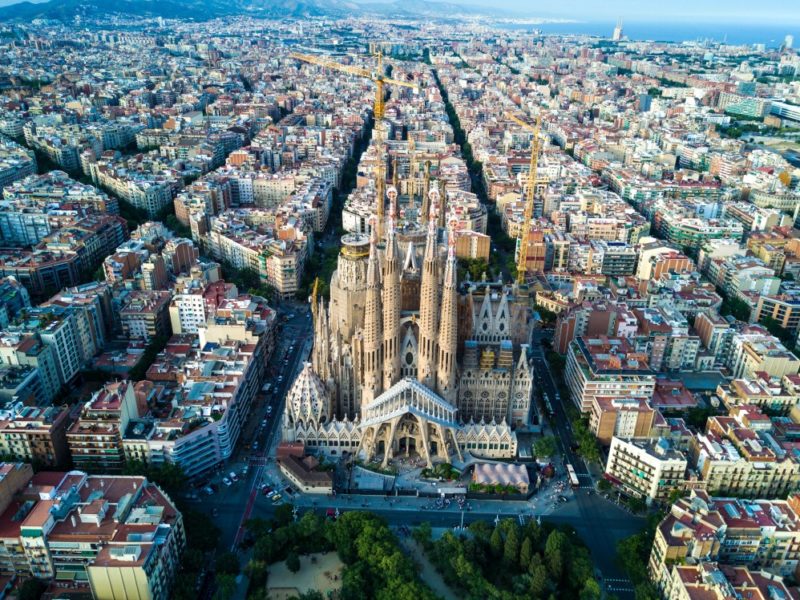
(573, 478)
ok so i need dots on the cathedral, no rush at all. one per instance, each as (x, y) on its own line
(406, 363)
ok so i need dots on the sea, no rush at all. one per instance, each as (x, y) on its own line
(771, 35)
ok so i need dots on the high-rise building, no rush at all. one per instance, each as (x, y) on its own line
(617, 35)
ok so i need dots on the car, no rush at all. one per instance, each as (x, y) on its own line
(271, 494)
(255, 445)
(264, 422)
(266, 490)
(276, 498)
(233, 476)
(244, 470)
(280, 377)
(226, 481)
(269, 410)
(208, 490)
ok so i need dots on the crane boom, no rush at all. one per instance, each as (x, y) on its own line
(378, 76)
(533, 181)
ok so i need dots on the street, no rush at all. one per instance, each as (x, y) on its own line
(234, 503)
(599, 523)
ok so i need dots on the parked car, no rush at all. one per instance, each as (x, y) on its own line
(276, 498)
(208, 490)
(233, 476)
(226, 481)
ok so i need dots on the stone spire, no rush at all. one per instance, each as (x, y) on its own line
(448, 326)
(373, 331)
(410, 261)
(443, 206)
(321, 354)
(391, 299)
(323, 369)
(429, 307)
(426, 201)
(380, 186)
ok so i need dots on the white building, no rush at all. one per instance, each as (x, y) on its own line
(645, 468)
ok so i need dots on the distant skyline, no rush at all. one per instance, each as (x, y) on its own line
(710, 11)
(784, 13)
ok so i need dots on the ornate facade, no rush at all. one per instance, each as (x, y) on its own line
(405, 362)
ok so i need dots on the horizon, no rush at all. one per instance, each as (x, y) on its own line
(736, 12)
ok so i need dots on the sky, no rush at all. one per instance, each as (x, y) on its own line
(746, 12)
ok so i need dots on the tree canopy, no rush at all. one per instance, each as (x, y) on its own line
(512, 562)
(365, 544)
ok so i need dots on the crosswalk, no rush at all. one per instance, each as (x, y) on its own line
(617, 584)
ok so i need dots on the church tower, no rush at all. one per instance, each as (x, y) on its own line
(448, 327)
(373, 331)
(391, 299)
(429, 306)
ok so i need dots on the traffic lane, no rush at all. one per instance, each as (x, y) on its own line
(621, 525)
(231, 502)
(559, 421)
(282, 387)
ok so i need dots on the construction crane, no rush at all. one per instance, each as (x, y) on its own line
(533, 181)
(380, 79)
(377, 76)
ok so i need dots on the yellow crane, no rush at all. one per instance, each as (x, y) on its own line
(377, 76)
(533, 181)
(380, 79)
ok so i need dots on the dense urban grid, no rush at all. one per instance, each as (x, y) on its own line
(396, 308)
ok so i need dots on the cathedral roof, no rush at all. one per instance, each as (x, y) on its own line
(409, 396)
(307, 398)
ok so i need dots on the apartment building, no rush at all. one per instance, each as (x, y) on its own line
(622, 417)
(733, 458)
(782, 308)
(42, 272)
(716, 334)
(145, 314)
(95, 439)
(199, 416)
(754, 351)
(13, 298)
(278, 257)
(35, 435)
(773, 394)
(606, 367)
(16, 162)
(737, 532)
(646, 468)
(122, 537)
